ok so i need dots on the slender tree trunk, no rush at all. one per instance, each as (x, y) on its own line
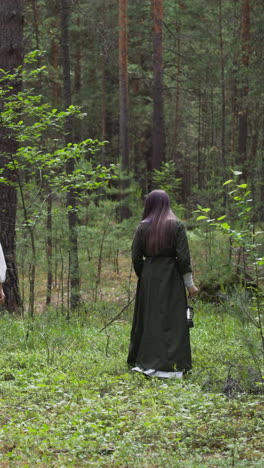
(199, 143)
(123, 85)
(35, 11)
(177, 97)
(103, 86)
(124, 211)
(103, 108)
(78, 60)
(261, 197)
(49, 250)
(55, 86)
(11, 56)
(158, 153)
(234, 103)
(243, 111)
(55, 90)
(78, 78)
(256, 168)
(223, 92)
(74, 278)
(36, 22)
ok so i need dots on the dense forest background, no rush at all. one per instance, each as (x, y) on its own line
(100, 102)
(201, 65)
(113, 100)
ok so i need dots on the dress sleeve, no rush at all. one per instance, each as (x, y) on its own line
(2, 266)
(137, 252)
(182, 250)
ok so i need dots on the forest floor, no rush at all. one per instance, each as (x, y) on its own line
(67, 398)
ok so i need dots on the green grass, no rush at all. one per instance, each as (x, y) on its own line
(67, 398)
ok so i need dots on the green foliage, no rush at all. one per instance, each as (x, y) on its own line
(237, 227)
(40, 132)
(40, 166)
(165, 179)
(67, 398)
(237, 224)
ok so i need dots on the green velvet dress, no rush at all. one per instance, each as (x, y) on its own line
(160, 334)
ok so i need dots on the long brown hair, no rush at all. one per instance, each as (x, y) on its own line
(158, 214)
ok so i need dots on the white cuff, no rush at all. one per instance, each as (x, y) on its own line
(188, 280)
(2, 266)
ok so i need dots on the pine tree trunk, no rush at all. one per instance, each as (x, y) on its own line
(158, 152)
(124, 211)
(223, 93)
(177, 97)
(103, 108)
(123, 85)
(78, 79)
(243, 111)
(55, 90)
(74, 278)
(11, 56)
(199, 143)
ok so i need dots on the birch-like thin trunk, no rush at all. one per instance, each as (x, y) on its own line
(74, 278)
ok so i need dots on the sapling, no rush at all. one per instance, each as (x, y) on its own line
(42, 157)
(237, 227)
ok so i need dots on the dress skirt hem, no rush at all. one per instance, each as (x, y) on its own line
(160, 374)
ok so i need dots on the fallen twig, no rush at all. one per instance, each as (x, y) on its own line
(118, 315)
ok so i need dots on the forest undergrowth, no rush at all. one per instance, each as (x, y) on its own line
(67, 398)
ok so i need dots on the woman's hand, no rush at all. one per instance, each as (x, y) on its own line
(2, 295)
(192, 290)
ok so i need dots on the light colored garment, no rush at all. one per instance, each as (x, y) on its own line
(2, 266)
(188, 280)
(161, 374)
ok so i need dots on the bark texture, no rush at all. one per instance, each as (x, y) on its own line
(124, 211)
(74, 278)
(243, 111)
(158, 151)
(11, 56)
(123, 84)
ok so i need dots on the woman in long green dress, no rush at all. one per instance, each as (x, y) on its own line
(160, 341)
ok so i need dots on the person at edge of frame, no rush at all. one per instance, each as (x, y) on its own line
(2, 275)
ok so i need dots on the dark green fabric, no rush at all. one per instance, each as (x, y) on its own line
(160, 334)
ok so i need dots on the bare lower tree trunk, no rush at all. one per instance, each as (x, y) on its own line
(158, 153)
(36, 22)
(223, 92)
(234, 86)
(103, 107)
(74, 277)
(123, 84)
(11, 56)
(199, 145)
(124, 211)
(177, 97)
(78, 77)
(261, 197)
(243, 111)
(49, 250)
